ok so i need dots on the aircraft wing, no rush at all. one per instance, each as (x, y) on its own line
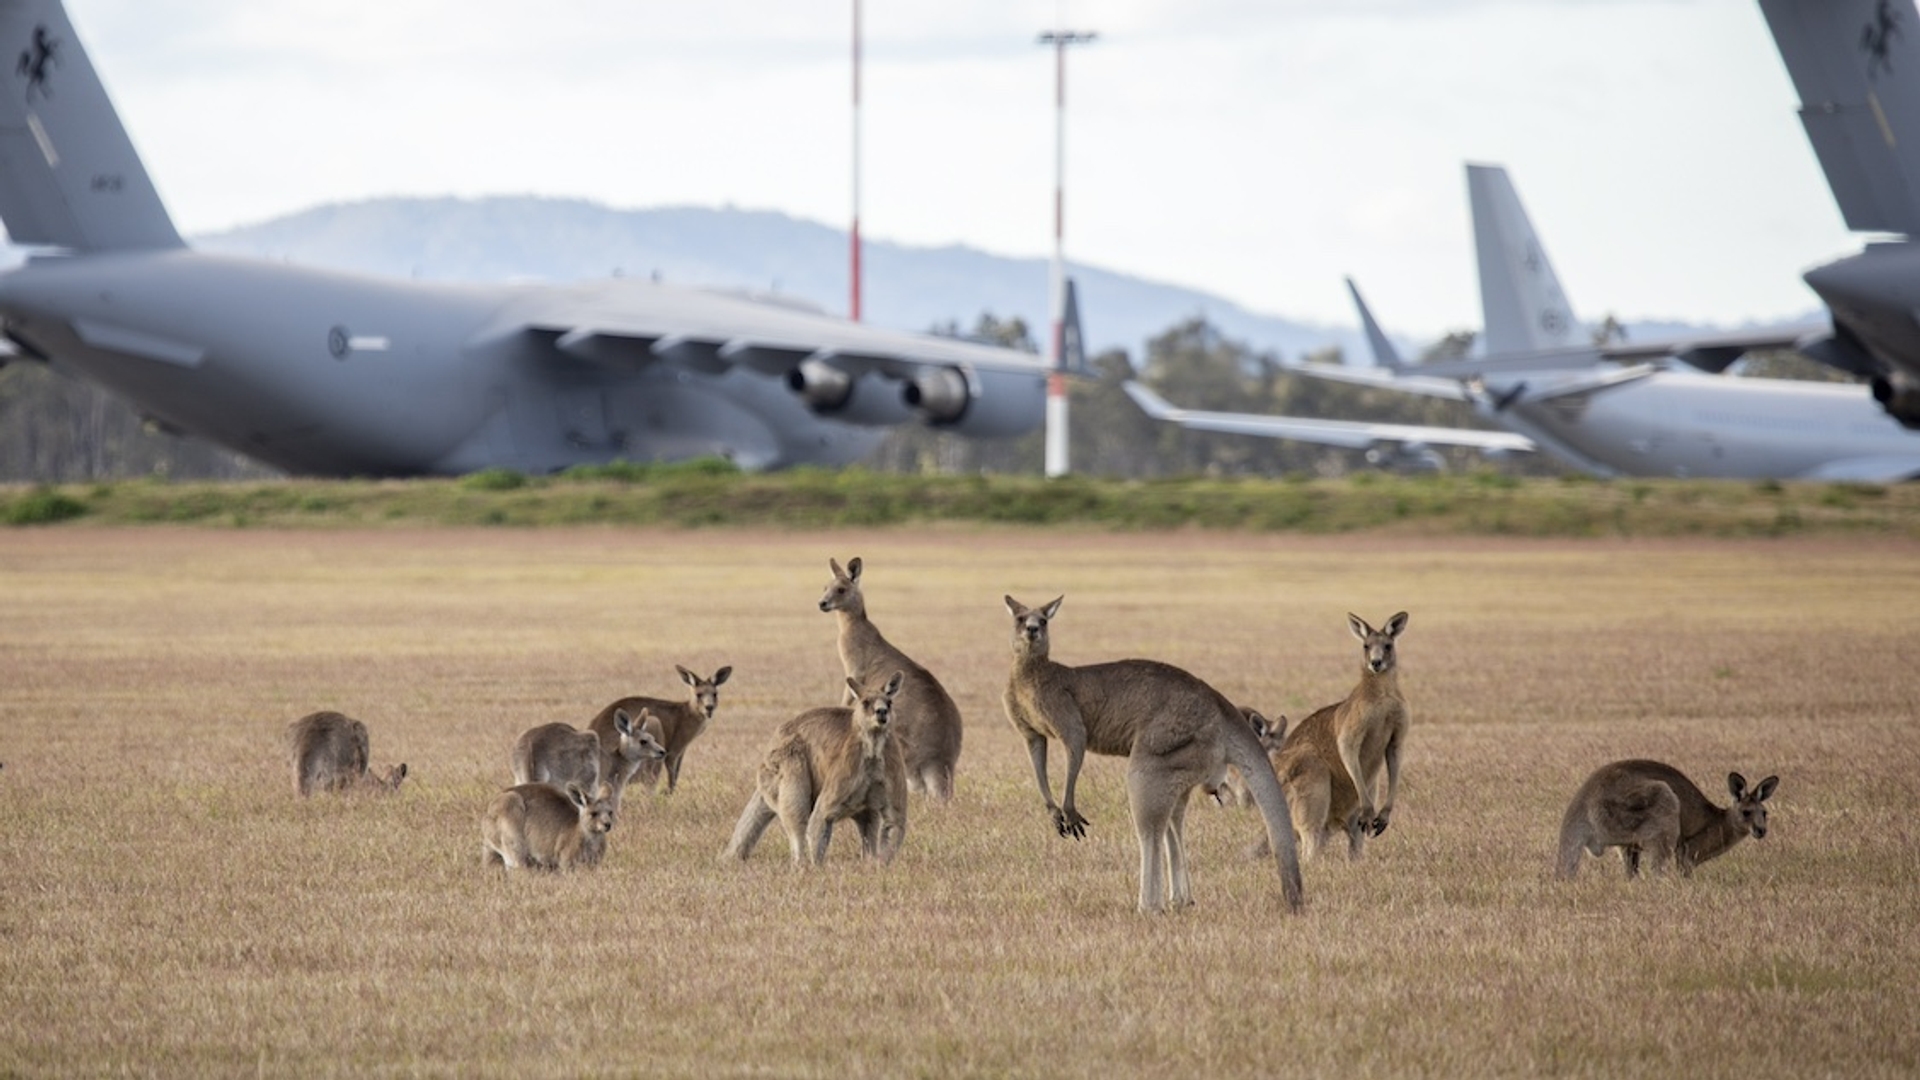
(1707, 352)
(1351, 434)
(629, 324)
(1383, 378)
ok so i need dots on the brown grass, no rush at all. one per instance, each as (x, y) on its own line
(168, 906)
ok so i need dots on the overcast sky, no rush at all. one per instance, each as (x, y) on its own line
(1259, 149)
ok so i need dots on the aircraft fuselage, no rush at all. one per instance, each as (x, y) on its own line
(1674, 423)
(320, 372)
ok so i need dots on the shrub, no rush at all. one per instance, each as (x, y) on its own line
(43, 506)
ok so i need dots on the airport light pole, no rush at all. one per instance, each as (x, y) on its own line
(853, 307)
(1056, 445)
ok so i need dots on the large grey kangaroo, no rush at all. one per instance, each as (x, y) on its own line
(928, 722)
(1650, 808)
(1177, 733)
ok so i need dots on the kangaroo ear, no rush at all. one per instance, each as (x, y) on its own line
(650, 725)
(1014, 607)
(721, 675)
(1050, 610)
(1358, 625)
(853, 686)
(1396, 624)
(853, 568)
(1736, 785)
(1761, 793)
(893, 684)
(577, 797)
(834, 565)
(686, 676)
(401, 774)
(622, 723)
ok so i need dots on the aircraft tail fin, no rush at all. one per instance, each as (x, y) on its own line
(69, 176)
(1384, 354)
(1856, 66)
(1073, 341)
(1520, 296)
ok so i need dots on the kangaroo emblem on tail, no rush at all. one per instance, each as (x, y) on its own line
(35, 59)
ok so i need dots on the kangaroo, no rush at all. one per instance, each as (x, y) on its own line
(827, 764)
(928, 722)
(1646, 807)
(558, 753)
(1232, 788)
(543, 827)
(1331, 762)
(681, 722)
(1177, 733)
(329, 753)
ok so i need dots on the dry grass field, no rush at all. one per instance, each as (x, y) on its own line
(169, 907)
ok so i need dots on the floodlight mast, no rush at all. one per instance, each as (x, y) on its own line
(853, 307)
(1056, 442)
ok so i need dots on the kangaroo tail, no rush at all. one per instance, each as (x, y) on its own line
(1245, 753)
(1573, 840)
(746, 833)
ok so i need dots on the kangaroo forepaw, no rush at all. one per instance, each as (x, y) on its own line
(1070, 823)
(1379, 825)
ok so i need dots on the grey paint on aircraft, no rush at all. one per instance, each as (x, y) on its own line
(330, 373)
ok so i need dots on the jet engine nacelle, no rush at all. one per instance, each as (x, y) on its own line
(1899, 397)
(983, 404)
(1413, 457)
(853, 399)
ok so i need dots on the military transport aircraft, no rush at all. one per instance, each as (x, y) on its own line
(1856, 66)
(328, 373)
(1608, 418)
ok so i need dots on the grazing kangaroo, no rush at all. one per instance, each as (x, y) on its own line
(1177, 733)
(329, 753)
(827, 764)
(560, 754)
(681, 722)
(1331, 763)
(928, 722)
(1646, 807)
(543, 827)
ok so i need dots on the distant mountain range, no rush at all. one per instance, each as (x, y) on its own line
(508, 238)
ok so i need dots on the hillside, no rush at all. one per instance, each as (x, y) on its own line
(912, 288)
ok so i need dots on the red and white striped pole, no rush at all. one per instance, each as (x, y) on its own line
(854, 270)
(1056, 443)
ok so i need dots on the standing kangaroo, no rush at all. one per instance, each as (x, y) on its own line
(559, 754)
(928, 720)
(329, 753)
(680, 722)
(1331, 762)
(825, 765)
(1646, 807)
(1177, 733)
